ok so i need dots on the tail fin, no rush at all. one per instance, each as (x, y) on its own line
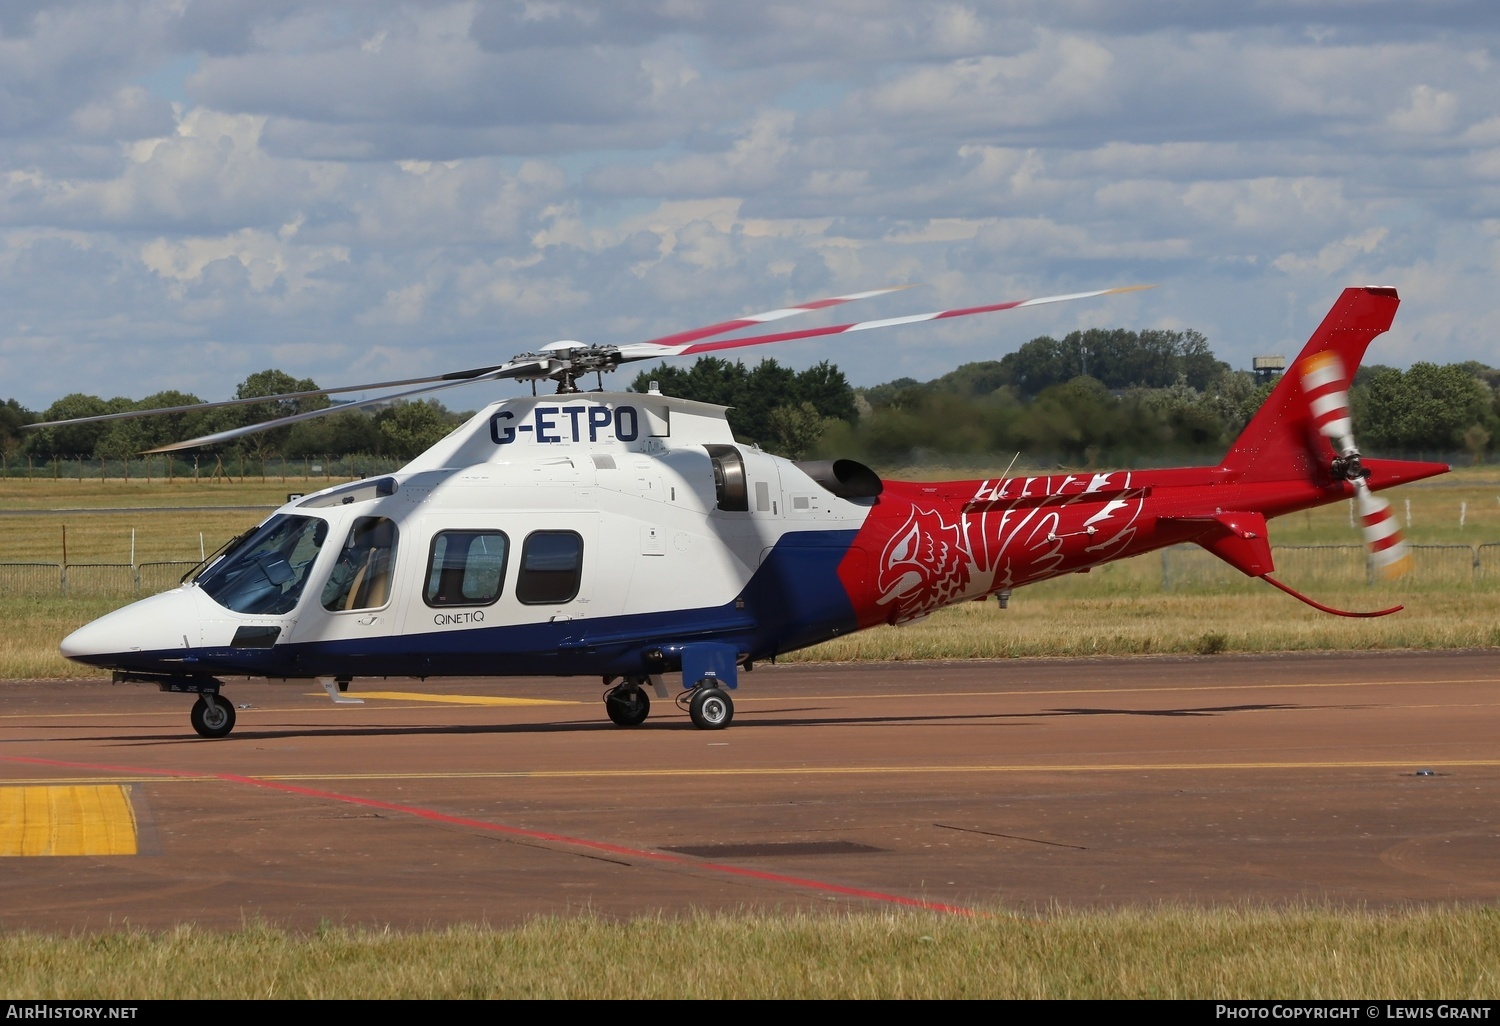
(1283, 439)
(1301, 443)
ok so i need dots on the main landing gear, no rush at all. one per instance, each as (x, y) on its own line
(706, 702)
(627, 703)
(212, 716)
(710, 706)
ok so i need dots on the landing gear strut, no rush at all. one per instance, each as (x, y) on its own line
(627, 703)
(212, 716)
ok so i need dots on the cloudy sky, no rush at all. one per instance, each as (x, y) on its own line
(194, 190)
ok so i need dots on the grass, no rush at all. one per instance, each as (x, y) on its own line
(1162, 953)
(1037, 624)
(1120, 609)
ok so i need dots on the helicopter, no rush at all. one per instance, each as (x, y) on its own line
(630, 536)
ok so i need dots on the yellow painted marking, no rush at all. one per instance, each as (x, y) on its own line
(73, 819)
(114, 780)
(837, 771)
(412, 696)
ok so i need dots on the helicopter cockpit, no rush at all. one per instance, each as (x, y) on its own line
(361, 578)
(265, 574)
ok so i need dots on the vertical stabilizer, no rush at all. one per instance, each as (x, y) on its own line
(1283, 438)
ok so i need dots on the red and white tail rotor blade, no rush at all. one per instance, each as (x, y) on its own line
(1389, 555)
(1326, 387)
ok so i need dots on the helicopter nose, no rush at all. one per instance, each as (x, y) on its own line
(159, 623)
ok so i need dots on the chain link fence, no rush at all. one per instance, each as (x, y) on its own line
(104, 580)
(31, 579)
(151, 578)
(205, 469)
(1190, 568)
(1487, 561)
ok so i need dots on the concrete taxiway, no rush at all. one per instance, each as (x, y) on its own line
(1360, 779)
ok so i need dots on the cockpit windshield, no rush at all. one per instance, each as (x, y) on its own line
(266, 573)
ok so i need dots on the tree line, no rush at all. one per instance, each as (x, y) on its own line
(1098, 395)
(401, 430)
(1115, 396)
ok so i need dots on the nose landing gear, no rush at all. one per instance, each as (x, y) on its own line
(212, 716)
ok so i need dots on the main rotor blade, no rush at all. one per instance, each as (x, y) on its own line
(475, 374)
(510, 370)
(651, 350)
(459, 377)
(693, 334)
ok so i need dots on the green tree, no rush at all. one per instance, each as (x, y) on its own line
(271, 382)
(408, 429)
(825, 387)
(1118, 358)
(794, 430)
(351, 431)
(1476, 441)
(1428, 408)
(75, 439)
(13, 416)
(752, 395)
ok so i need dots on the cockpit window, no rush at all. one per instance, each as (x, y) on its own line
(362, 577)
(265, 574)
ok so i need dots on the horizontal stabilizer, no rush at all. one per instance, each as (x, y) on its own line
(1239, 539)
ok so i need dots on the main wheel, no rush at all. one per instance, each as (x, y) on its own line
(215, 720)
(711, 708)
(628, 708)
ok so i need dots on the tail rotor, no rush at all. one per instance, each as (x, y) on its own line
(1326, 388)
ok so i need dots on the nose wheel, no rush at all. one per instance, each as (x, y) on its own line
(627, 704)
(212, 716)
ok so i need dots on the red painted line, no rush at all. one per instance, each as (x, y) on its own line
(433, 815)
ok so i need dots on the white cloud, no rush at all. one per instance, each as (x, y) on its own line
(409, 184)
(267, 260)
(1431, 111)
(1334, 257)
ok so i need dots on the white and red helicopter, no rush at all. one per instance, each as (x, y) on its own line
(629, 536)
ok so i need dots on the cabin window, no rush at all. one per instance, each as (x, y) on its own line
(551, 567)
(466, 568)
(362, 577)
(265, 573)
(729, 478)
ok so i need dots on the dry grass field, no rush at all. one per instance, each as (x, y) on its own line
(1162, 953)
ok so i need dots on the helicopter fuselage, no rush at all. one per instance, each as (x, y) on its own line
(606, 533)
(630, 535)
